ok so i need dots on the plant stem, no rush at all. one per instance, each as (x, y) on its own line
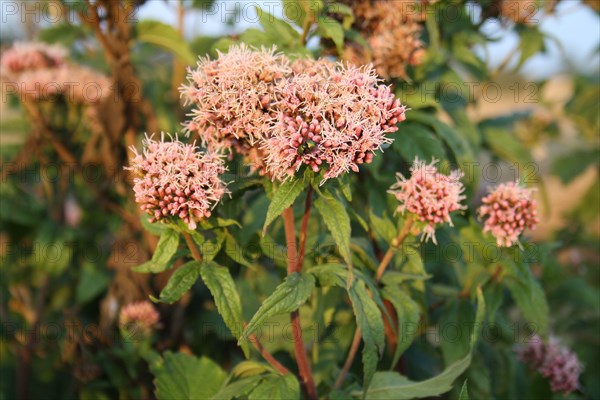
(394, 246)
(295, 266)
(192, 246)
(303, 227)
(267, 356)
(404, 232)
(252, 338)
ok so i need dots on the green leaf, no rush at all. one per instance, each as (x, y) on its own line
(92, 282)
(165, 249)
(299, 10)
(408, 314)
(183, 376)
(464, 393)
(287, 297)
(165, 36)
(571, 165)
(416, 140)
(277, 387)
(531, 300)
(180, 282)
(284, 197)
(331, 29)
(238, 388)
(532, 41)
(278, 30)
(65, 33)
(456, 141)
(367, 314)
(392, 385)
(337, 221)
(222, 287)
(345, 11)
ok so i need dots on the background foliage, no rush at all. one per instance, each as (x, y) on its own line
(64, 282)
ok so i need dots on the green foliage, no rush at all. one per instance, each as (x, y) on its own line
(287, 297)
(165, 250)
(222, 287)
(182, 376)
(165, 36)
(180, 282)
(336, 218)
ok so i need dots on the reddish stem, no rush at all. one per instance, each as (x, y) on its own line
(295, 266)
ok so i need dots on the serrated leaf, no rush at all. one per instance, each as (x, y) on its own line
(408, 314)
(370, 322)
(345, 11)
(392, 385)
(180, 282)
(277, 387)
(183, 376)
(165, 36)
(165, 249)
(337, 221)
(367, 314)
(283, 198)
(222, 287)
(287, 297)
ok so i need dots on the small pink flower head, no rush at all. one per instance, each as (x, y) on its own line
(331, 118)
(231, 96)
(174, 180)
(508, 210)
(28, 56)
(429, 195)
(553, 361)
(139, 315)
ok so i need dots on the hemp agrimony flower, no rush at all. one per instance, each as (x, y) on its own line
(28, 56)
(331, 118)
(139, 315)
(174, 180)
(429, 195)
(508, 210)
(553, 361)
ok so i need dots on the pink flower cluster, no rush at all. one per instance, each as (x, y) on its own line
(75, 84)
(553, 361)
(331, 118)
(232, 96)
(429, 195)
(508, 210)
(39, 72)
(28, 56)
(282, 115)
(141, 315)
(173, 179)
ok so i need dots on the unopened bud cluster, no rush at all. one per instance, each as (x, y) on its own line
(553, 361)
(140, 316)
(174, 180)
(507, 211)
(429, 195)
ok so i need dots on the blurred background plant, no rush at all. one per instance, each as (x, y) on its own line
(482, 97)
